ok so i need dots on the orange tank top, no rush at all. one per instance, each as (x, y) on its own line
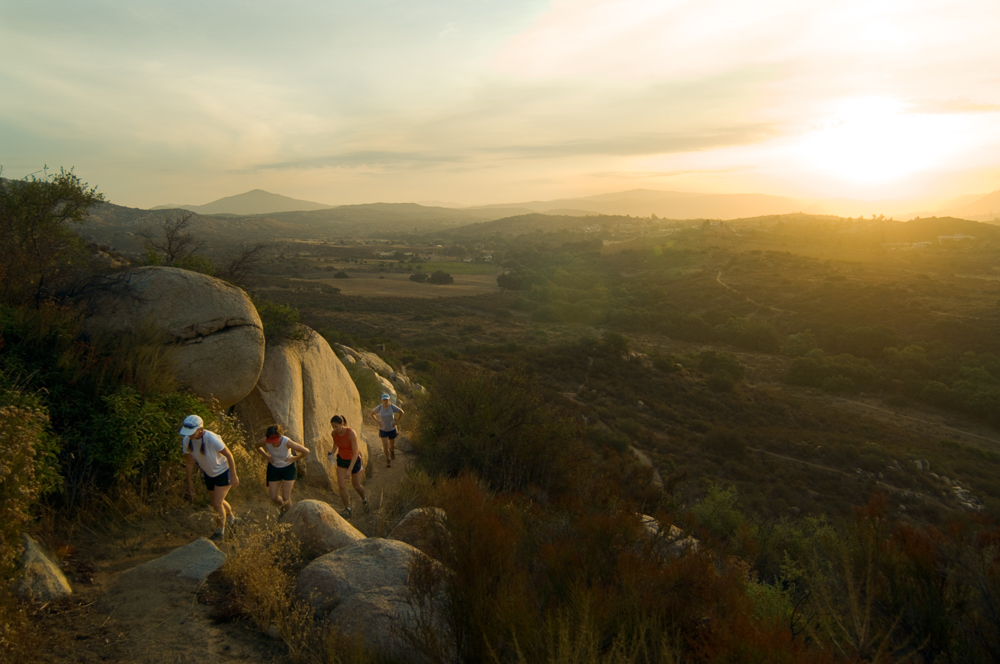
(343, 443)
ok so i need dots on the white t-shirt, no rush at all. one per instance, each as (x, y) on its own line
(212, 463)
(279, 453)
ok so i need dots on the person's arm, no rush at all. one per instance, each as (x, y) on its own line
(397, 413)
(189, 460)
(263, 450)
(234, 481)
(374, 415)
(295, 447)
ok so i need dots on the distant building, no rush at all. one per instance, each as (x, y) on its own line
(957, 237)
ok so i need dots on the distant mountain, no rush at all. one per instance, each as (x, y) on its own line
(984, 208)
(665, 204)
(118, 226)
(257, 201)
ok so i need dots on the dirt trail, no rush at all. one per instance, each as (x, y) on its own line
(155, 624)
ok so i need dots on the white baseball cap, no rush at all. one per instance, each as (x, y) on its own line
(191, 424)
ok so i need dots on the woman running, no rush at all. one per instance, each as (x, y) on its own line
(207, 450)
(349, 462)
(281, 453)
(386, 415)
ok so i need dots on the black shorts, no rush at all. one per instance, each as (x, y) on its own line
(222, 479)
(286, 474)
(344, 463)
(391, 435)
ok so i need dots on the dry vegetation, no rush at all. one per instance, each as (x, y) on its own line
(784, 376)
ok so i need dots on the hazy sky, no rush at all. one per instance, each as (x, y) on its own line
(484, 101)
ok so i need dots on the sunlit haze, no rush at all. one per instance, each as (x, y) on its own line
(483, 101)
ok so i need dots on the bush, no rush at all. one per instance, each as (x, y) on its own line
(601, 437)
(23, 433)
(497, 427)
(441, 277)
(280, 321)
(369, 387)
(724, 443)
(799, 344)
(419, 277)
(750, 333)
(139, 436)
(712, 362)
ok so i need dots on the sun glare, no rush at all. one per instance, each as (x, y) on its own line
(874, 141)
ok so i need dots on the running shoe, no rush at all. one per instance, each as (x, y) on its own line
(218, 535)
(364, 505)
(347, 513)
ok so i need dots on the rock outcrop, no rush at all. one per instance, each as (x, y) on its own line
(160, 595)
(214, 327)
(42, 580)
(319, 528)
(397, 625)
(301, 386)
(363, 566)
(363, 590)
(425, 528)
(669, 542)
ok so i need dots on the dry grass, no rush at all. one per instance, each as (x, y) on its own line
(262, 567)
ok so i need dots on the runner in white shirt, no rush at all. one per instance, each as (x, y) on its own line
(281, 453)
(206, 450)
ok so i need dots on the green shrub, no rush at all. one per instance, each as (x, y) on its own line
(724, 443)
(750, 333)
(495, 425)
(799, 344)
(711, 362)
(139, 435)
(24, 439)
(441, 277)
(718, 512)
(419, 277)
(369, 387)
(280, 321)
(602, 437)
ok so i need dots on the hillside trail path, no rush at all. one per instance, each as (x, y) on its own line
(171, 623)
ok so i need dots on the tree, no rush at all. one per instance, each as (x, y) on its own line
(241, 267)
(441, 277)
(176, 243)
(38, 249)
(419, 277)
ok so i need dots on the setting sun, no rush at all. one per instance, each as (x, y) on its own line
(873, 141)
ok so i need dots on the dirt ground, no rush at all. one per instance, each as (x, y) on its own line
(82, 629)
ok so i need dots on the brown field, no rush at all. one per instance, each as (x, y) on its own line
(373, 284)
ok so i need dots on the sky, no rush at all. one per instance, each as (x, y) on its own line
(491, 101)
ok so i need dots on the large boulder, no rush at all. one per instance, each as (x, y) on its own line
(425, 528)
(387, 388)
(363, 566)
(213, 325)
(319, 528)
(194, 562)
(301, 386)
(399, 626)
(376, 363)
(42, 580)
